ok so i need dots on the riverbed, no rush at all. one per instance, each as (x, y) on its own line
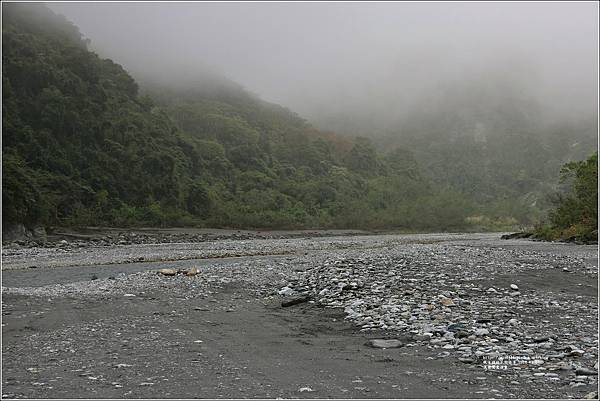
(100, 322)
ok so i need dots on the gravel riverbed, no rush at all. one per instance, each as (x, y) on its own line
(469, 316)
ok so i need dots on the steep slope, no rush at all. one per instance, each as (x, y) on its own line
(81, 146)
(76, 129)
(488, 136)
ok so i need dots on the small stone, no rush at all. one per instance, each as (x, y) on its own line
(286, 291)
(423, 337)
(577, 352)
(564, 366)
(168, 272)
(123, 365)
(381, 343)
(305, 389)
(481, 332)
(514, 287)
(447, 302)
(591, 396)
(456, 326)
(192, 272)
(295, 301)
(129, 295)
(585, 372)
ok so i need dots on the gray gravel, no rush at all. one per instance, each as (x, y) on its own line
(72, 254)
(474, 304)
(479, 317)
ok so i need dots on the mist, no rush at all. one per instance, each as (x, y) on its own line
(362, 68)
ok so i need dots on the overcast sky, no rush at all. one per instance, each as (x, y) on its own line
(315, 57)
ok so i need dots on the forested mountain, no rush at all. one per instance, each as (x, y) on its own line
(487, 138)
(81, 146)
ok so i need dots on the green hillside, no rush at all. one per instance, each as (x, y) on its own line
(81, 146)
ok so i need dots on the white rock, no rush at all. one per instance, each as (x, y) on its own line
(123, 365)
(286, 291)
(168, 272)
(514, 287)
(380, 343)
(577, 352)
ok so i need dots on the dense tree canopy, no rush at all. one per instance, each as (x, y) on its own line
(576, 213)
(83, 145)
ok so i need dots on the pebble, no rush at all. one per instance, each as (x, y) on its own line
(585, 372)
(286, 291)
(168, 272)
(295, 301)
(381, 343)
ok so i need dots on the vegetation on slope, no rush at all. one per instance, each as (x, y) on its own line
(575, 217)
(81, 146)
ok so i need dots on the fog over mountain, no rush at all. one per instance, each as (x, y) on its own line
(296, 115)
(363, 67)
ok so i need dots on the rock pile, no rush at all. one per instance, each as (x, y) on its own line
(444, 301)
